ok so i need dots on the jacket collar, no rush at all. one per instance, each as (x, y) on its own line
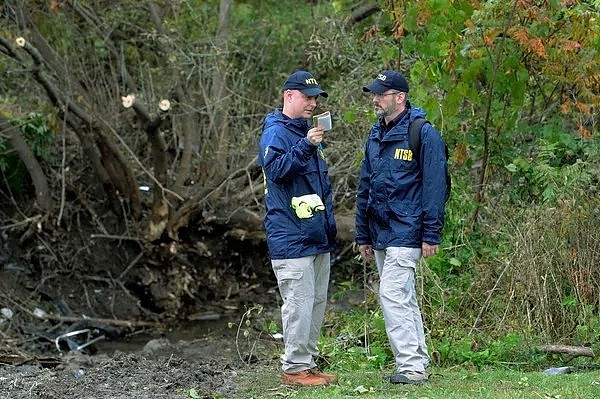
(386, 127)
(298, 126)
(395, 129)
(400, 128)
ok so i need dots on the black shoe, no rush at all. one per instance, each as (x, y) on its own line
(408, 377)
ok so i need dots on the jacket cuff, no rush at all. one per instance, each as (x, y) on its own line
(431, 238)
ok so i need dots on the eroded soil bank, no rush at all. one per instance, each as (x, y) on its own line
(65, 337)
(94, 330)
(197, 359)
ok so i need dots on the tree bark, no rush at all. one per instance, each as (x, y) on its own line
(40, 182)
(573, 351)
(363, 12)
(218, 93)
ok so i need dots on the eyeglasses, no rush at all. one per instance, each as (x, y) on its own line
(386, 94)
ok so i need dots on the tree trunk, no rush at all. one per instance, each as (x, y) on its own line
(40, 182)
(219, 86)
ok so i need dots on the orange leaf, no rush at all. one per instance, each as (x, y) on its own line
(54, 5)
(369, 34)
(521, 36)
(584, 132)
(582, 107)
(570, 45)
(459, 154)
(398, 29)
(537, 47)
(524, 4)
(488, 40)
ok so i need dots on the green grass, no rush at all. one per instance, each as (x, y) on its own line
(263, 381)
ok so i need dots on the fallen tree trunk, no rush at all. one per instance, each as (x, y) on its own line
(573, 351)
(249, 224)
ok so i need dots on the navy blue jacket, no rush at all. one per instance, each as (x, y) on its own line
(292, 167)
(400, 199)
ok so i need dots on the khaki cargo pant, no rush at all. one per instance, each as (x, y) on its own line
(303, 284)
(398, 299)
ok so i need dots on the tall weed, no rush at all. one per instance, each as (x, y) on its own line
(553, 283)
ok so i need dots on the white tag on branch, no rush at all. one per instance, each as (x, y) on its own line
(20, 41)
(164, 105)
(6, 312)
(39, 313)
(128, 100)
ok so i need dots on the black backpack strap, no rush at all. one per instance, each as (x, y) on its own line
(414, 136)
(414, 142)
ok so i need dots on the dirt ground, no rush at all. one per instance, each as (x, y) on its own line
(201, 356)
(98, 321)
(206, 367)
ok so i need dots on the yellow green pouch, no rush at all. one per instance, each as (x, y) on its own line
(306, 205)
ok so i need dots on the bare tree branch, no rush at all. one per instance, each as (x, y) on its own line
(363, 12)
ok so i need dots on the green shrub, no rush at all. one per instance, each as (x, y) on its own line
(34, 130)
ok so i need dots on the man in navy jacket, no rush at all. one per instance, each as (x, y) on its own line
(299, 223)
(399, 216)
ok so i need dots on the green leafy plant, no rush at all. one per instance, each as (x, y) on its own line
(360, 342)
(34, 130)
(251, 321)
(558, 168)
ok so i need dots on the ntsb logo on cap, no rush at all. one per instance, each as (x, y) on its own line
(387, 80)
(305, 83)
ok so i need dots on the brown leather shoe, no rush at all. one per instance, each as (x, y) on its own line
(304, 379)
(330, 378)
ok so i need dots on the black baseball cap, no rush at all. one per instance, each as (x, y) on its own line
(306, 83)
(387, 80)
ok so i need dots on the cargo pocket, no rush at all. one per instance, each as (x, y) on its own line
(289, 282)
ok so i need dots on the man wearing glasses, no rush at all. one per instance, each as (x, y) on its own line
(399, 216)
(300, 224)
